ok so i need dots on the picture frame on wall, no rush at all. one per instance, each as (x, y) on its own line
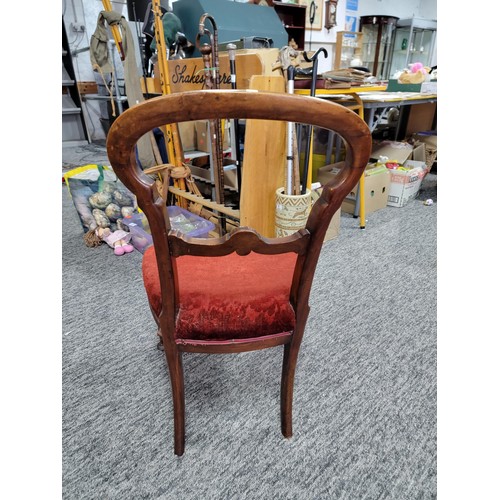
(350, 23)
(316, 11)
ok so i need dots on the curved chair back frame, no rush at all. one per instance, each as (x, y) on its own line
(306, 243)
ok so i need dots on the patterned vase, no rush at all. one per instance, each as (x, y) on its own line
(291, 212)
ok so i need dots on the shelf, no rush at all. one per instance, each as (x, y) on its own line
(71, 111)
(293, 18)
(95, 97)
(68, 106)
(382, 44)
(373, 60)
(74, 128)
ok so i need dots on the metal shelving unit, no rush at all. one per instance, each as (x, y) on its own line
(118, 96)
(74, 128)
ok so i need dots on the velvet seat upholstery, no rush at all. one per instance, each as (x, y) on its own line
(228, 297)
(241, 291)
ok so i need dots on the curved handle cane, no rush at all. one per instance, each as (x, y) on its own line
(307, 158)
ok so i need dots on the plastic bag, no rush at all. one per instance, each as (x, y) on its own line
(100, 198)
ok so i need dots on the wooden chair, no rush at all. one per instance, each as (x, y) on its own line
(240, 292)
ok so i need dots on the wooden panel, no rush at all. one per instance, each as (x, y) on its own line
(268, 58)
(188, 74)
(151, 85)
(421, 118)
(264, 164)
(87, 87)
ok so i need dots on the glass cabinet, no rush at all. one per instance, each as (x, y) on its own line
(378, 42)
(414, 41)
(348, 49)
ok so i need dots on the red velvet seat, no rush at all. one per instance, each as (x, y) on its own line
(239, 292)
(228, 297)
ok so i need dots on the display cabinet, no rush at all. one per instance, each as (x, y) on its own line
(378, 42)
(293, 18)
(414, 41)
(348, 49)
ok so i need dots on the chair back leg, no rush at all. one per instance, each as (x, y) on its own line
(174, 361)
(287, 378)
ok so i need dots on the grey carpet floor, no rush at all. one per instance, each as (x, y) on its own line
(365, 394)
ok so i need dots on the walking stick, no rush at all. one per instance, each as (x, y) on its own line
(118, 38)
(231, 47)
(210, 56)
(307, 173)
(115, 31)
(141, 53)
(290, 74)
(174, 146)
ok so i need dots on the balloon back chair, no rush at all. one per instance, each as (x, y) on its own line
(241, 291)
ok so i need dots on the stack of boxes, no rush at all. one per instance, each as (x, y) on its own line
(405, 180)
(392, 178)
(376, 187)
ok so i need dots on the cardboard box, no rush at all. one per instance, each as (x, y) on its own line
(421, 117)
(398, 151)
(429, 87)
(394, 86)
(334, 227)
(418, 153)
(377, 182)
(429, 138)
(423, 88)
(405, 185)
(395, 151)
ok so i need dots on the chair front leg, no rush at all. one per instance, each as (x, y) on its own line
(174, 361)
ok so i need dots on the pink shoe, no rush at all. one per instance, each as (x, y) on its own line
(128, 248)
(119, 250)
